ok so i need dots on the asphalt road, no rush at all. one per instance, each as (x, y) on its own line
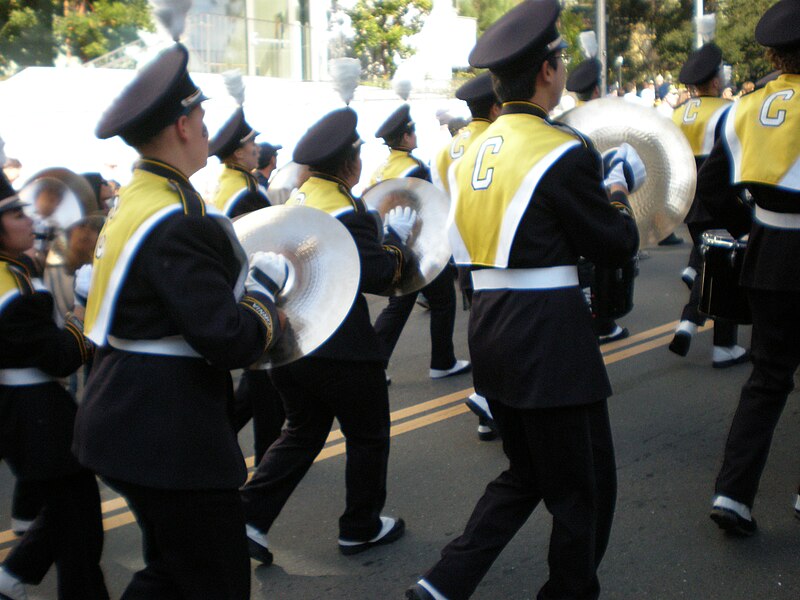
(669, 415)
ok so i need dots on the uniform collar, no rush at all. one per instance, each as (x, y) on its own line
(16, 262)
(524, 108)
(162, 169)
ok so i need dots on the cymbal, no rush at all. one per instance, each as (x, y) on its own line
(324, 273)
(285, 180)
(428, 241)
(76, 199)
(660, 205)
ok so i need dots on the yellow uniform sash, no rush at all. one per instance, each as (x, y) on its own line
(326, 193)
(494, 182)
(399, 164)
(155, 192)
(14, 280)
(233, 182)
(698, 118)
(763, 135)
(455, 150)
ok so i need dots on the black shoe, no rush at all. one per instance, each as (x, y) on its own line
(733, 523)
(680, 343)
(671, 240)
(259, 552)
(417, 592)
(618, 333)
(349, 548)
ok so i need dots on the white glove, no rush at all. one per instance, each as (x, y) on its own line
(623, 166)
(401, 221)
(268, 273)
(82, 284)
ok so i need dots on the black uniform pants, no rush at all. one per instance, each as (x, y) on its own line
(195, 544)
(315, 390)
(68, 532)
(776, 356)
(256, 397)
(441, 295)
(563, 456)
(725, 331)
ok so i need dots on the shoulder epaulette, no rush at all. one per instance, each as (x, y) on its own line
(193, 204)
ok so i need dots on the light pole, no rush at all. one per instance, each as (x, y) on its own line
(600, 26)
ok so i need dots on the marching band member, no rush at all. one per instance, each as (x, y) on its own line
(482, 102)
(399, 133)
(529, 199)
(36, 421)
(759, 150)
(344, 378)
(238, 191)
(701, 119)
(173, 309)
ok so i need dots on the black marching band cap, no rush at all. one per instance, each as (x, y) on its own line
(585, 77)
(478, 89)
(326, 138)
(160, 92)
(265, 153)
(524, 35)
(779, 27)
(702, 65)
(233, 134)
(398, 123)
(8, 195)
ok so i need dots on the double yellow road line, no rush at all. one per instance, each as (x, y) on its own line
(406, 419)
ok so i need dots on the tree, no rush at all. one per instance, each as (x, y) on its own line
(485, 12)
(34, 32)
(381, 29)
(736, 37)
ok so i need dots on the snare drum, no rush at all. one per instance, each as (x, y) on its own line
(612, 289)
(721, 296)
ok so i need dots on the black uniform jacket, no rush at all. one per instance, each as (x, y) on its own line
(161, 421)
(36, 420)
(536, 348)
(383, 261)
(240, 192)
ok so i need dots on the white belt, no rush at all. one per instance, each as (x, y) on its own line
(776, 219)
(173, 345)
(30, 376)
(525, 279)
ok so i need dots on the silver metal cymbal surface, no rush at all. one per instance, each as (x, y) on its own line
(428, 240)
(76, 197)
(324, 275)
(660, 205)
(285, 180)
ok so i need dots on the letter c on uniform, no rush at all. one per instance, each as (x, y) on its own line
(780, 116)
(482, 181)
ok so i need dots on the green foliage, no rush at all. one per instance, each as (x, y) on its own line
(735, 35)
(381, 29)
(485, 11)
(33, 32)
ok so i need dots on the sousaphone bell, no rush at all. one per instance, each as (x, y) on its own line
(324, 273)
(428, 240)
(72, 196)
(660, 205)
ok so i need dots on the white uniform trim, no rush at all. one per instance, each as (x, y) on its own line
(28, 376)
(711, 126)
(342, 211)
(522, 197)
(776, 219)
(734, 144)
(173, 345)
(460, 253)
(792, 178)
(232, 200)
(544, 278)
(730, 504)
(8, 297)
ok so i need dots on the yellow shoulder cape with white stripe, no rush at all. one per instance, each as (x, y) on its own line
(494, 182)
(323, 193)
(763, 135)
(455, 150)
(698, 118)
